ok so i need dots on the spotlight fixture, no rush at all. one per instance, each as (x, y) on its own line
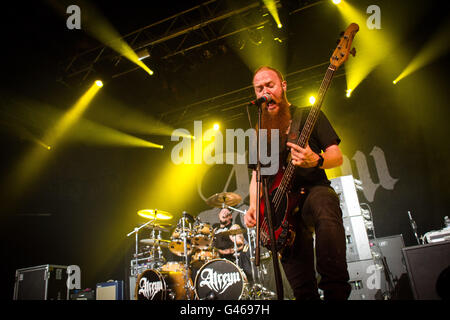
(143, 54)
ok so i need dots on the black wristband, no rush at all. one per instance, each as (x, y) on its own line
(320, 161)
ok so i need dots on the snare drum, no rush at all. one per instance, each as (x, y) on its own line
(200, 257)
(220, 279)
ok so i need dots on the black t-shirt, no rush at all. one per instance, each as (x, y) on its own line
(223, 241)
(322, 136)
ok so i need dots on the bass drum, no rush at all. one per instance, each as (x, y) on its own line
(161, 285)
(220, 279)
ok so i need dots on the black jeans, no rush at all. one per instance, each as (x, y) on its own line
(321, 205)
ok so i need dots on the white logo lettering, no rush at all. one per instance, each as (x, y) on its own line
(149, 289)
(219, 282)
(362, 165)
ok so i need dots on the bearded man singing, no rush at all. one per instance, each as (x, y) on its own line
(318, 210)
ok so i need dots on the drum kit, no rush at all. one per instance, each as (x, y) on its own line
(200, 273)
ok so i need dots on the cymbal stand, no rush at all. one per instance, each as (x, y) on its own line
(160, 259)
(236, 254)
(136, 231)
(183, 235)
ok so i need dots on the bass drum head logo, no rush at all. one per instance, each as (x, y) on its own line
(150, 286)
(219, 279)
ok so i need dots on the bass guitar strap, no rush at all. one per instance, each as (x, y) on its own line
(294, 130)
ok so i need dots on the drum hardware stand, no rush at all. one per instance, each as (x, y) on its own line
(136, 231)
(257, 289)
(183, 235)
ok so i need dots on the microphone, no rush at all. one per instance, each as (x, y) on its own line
(265, 98)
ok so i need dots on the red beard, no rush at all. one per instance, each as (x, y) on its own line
(280, 121)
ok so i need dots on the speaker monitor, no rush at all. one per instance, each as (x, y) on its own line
(428, 269)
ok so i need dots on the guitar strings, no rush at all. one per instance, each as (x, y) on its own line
(311, 120)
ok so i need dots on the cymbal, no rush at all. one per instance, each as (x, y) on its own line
(218, 200)
(159, 227)
(155, 214)
(232, 232)
(156, 242)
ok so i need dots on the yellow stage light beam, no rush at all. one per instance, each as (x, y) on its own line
(437, 46)
(336, 1)
(73, 115)
(96, 25)
(372, 46)
(93, 133)
(33, 162)
(272, 7)
(257, 38)
(116, 114)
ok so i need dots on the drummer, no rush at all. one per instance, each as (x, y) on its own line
(225, 244)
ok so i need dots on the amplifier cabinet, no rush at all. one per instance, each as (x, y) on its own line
(45, 282)
(111, 290)
(429, 270)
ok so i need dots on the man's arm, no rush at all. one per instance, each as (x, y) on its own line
(250, 215)
(306, 158)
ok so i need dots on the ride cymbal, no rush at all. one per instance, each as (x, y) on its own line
(222, 199)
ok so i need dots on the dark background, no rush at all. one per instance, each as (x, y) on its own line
(82, 204)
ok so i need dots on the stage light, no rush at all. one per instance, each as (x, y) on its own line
(216, 126)
(372, 46)
(336, 1)
(99, 83)
(272, 7)
(394, 82)
(436, 46)
(143, 54)
(349, 93)
(95, 24)
(312, 100)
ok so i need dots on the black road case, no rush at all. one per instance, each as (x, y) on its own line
(46, 282)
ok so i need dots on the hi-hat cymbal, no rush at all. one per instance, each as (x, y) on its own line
(218, 200)
(155, 214)
(156, 242)
(164, 227)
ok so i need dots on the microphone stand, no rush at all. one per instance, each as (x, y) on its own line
(268, 211)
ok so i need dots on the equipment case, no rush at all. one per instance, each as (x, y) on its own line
(45, 282)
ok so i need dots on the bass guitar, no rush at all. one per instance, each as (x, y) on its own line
(281, 198)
